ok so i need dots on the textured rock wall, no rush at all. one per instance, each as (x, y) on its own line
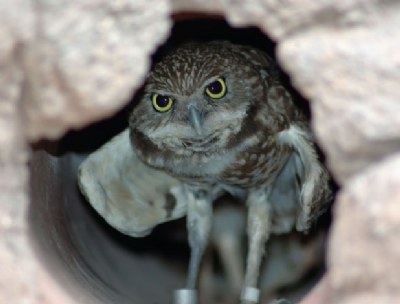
(66, 63)
(63, 64)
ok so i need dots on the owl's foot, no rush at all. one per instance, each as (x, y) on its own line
(280, 301)
(258, 232)
(250, 295)
(276, 301)
(185, 296)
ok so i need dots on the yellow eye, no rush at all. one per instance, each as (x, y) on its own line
(161, 103)
(216, 89)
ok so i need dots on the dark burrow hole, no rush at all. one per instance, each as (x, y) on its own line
(97, 263)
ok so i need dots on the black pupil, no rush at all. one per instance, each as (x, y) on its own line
(215, 87)
(162, 101)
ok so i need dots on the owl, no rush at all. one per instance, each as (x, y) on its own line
(213, 118)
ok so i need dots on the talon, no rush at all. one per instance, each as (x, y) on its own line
(185, 296)
(250, 295)
(281, 301)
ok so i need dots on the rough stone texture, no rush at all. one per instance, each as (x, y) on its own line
(364, 247)
(85, 59)
(351, 75)
(17, 272)
(284, 18)
(66, 63)
(62, 64)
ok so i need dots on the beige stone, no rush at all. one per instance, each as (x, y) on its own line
(85, 60)
(65, 64)
(350, 74)
(364, 246)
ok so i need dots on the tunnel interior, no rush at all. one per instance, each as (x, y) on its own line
(100, 265)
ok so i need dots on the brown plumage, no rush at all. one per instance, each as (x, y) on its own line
(250, 140)
(217, 117)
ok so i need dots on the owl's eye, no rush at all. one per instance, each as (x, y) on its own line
(161, 103)
(216, 89)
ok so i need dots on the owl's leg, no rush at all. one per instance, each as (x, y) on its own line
(258, 230)
(199, 219)
(228, 228)
(229, 248)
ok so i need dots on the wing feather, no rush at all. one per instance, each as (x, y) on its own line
(313, 178)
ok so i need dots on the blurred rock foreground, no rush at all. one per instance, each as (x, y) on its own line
(65, 64)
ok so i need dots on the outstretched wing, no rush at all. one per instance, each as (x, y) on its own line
(131, 196)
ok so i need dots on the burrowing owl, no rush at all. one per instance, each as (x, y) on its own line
(217, 117)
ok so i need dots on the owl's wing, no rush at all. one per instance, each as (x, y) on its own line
(128, 194)
(311, 179)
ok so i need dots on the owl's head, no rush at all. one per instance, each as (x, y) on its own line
(197, 98)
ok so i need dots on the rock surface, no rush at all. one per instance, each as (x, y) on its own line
(85, 59)
(364, 245)
(351, 75)
(65, 64)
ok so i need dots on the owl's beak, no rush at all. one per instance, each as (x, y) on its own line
(195, 119)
